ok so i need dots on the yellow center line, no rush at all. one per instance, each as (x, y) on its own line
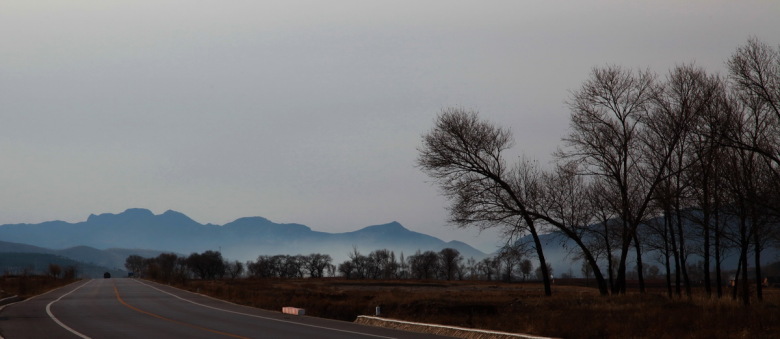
(116, 291)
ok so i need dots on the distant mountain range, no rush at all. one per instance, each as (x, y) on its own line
(104, 241)
(243, 239)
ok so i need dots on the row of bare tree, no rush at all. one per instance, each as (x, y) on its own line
(697, 151)
(509, 263)
(56, 271)
(382, 264)
(447, 264)
(315, 265)
(172, 267)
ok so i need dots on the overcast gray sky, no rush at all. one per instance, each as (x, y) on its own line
(305, 111)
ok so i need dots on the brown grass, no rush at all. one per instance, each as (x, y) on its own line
(26, 286)
(572, 311)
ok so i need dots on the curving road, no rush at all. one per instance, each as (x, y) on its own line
(131, 308)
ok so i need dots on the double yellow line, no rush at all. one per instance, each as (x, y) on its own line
(119, 298)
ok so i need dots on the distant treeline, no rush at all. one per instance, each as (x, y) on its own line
(25, 264)
(448, 264)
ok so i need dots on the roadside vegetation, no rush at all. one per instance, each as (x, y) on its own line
(501, 296)
(574, 311)
(509, 264)
(27, 283)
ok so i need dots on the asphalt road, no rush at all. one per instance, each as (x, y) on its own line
(131, 308)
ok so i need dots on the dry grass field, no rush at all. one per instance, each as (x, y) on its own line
(29, 285)
(572, 311)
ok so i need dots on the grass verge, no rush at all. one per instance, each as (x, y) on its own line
(572, 311)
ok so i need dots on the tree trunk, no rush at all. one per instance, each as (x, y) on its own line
(757, 255)
(706, 224)
(673, 241)
(620, 281)
(639, 267)
(540, 254)
(668, 265)
(718, 273)
(683, 263)
(745, 285)
(602, 283)
(744, 243)
(735, 284)
(609, 255)
(626, 238)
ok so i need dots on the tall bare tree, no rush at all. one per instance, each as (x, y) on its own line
(607, 121)
(681, 101)
(754, 70)
(754, 128)
(705, 178)
(511, 256)
(450, 263)
(465, 156)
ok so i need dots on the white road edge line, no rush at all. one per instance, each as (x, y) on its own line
(51, 315)
(258, 316)
(30, 298)
(465, 329)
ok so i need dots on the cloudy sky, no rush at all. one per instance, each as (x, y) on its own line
(305, 111)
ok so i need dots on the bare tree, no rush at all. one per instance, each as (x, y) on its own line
(360, 263)
(604, 234)
(55, 270)
(450, 262)
(465, 156)
(540, 272)
(489, 267)
(608, 140)
(403, 267)
(166, 263)
(705, 178)
(134, 263)
(316, 264)
(207, 265)
(526, 267)
(755, 69)
(511, 256)
(587, 271)
(234, 268)
(347, 270)
(566, 205)
(680, 102)
(425, 265)
(755, 73)
(472, 268)
(750, 185)
(381, 264)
